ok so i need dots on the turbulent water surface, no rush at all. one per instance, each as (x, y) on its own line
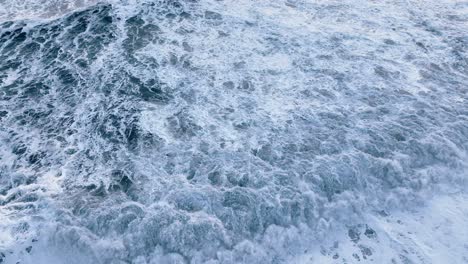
(247, 131)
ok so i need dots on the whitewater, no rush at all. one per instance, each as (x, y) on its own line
(247, 131)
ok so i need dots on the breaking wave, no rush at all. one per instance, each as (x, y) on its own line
(171, 131)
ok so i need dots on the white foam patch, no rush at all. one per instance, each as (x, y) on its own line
(433, 233)
(436, 233)
(39, 9)
(12, 76)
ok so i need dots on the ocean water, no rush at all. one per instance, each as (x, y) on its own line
(218, 131)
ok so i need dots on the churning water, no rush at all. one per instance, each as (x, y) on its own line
(247, 131)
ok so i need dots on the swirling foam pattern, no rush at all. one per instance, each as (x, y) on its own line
(203, 131)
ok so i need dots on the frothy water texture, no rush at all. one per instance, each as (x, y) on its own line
(39, 9)
(247, 131)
